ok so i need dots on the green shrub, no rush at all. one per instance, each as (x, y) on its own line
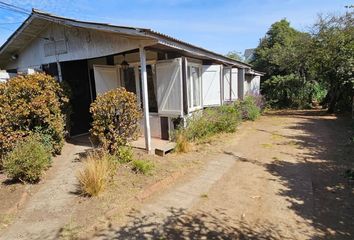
(202, 125)
(248, 108)
(116, 116)
(142, 166)
(27, 161)
(124, 154)
(27, 103)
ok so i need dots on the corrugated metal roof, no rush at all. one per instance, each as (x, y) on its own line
(31, 27)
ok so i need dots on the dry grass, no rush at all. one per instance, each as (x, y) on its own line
(182, 143)
(95, 176)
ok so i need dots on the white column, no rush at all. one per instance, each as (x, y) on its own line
(147, 134)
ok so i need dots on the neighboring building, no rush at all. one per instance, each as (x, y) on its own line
(172, 79)
(249, 54)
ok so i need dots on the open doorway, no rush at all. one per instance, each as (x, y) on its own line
(75, 73)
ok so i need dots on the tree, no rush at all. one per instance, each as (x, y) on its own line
(333, 58)
(234, 55)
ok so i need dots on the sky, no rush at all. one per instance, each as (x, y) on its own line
(218, 25)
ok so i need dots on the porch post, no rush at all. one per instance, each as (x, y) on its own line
(145, 99)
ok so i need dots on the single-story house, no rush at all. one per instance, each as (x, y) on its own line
(171, 78)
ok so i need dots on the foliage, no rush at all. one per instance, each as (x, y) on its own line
(234, 55)
(248, 108)
(96, 174)
(292, 91)
(316, 64)
(124, 154)
(142, 166)
(29, 103)
(27, 161)
(333, 59)
(116, 116)
(225, 118)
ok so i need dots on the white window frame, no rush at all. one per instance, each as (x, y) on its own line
(190, 87)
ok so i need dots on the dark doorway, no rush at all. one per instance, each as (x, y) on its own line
(75, 73)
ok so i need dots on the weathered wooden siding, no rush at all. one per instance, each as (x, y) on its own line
(81, 44)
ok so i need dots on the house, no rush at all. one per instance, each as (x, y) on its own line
(171, 78)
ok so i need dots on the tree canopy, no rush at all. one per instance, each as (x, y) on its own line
(319, 64)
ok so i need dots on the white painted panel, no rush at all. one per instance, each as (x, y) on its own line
(211, 85)
(234, 83)
(155, 126)
(106, 78)
(81, 44)
(227, 83)
(169, 87)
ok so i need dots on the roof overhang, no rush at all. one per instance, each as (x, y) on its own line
(37, 21)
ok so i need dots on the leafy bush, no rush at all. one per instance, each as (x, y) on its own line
(116, 116)
(124, 154)
(96, 174)
(249, 108)
(211, 121)
(28, 103)
(292, 91)
(142, 166)
(27, 161)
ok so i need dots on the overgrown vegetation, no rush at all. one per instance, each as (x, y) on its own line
(98, 170)
(222, 119)
(28, 160)
(306, 67)
(116, 116)
(249, 108)
(28, 104)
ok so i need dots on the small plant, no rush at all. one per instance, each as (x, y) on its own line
(142, 166)
(116, 116)
(182, 143)
(96, 174)
(249, 108)
(27, 161)
(124, 154)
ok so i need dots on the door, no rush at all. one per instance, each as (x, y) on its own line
(211, 85)
(75, 73)
(169, 87)
(106, 78)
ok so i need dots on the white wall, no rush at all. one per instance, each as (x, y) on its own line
(4, 76)
(81, 44)
(252, 84)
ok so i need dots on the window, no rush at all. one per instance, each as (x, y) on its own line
(194, 87)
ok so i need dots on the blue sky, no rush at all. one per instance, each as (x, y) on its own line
(219, 25)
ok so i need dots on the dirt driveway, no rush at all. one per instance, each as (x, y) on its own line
(280, 177)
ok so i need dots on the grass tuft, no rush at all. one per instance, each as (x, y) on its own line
(142, 166)
(95, 176)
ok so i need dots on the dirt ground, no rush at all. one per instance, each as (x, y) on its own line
(280, 177)
(286, 183)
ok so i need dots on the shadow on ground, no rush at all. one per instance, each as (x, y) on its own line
(179, 224)
(329, 152)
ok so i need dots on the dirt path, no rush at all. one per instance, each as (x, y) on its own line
(48, 209)
(277, 178)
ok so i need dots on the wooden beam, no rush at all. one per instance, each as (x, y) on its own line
(147, 132)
